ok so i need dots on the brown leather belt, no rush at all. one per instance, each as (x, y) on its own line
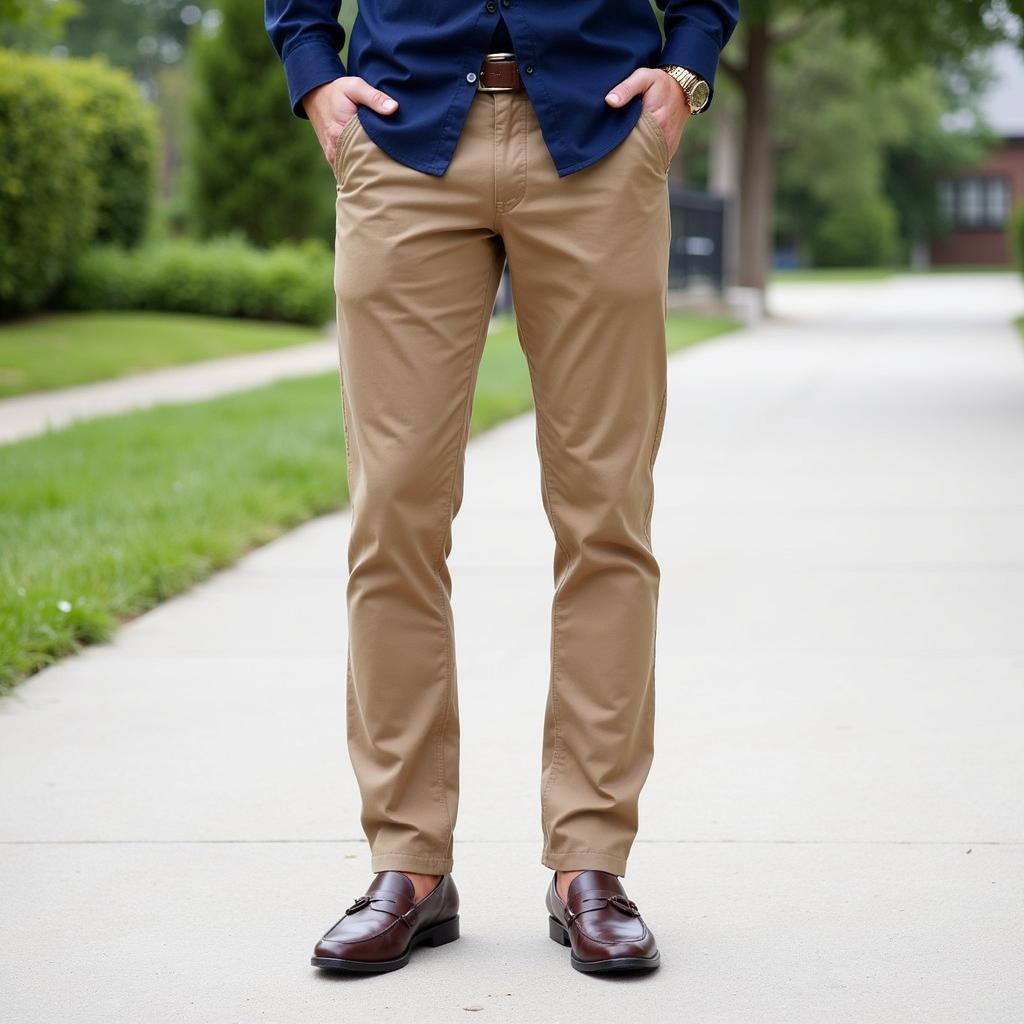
(499, 73)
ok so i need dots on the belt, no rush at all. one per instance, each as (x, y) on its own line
(499, 73)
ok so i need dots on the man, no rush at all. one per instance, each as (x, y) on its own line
(465, 133)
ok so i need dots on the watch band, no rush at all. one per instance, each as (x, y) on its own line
(694, 87)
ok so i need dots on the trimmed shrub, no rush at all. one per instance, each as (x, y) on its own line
(225, 277)
(121, 130)
(76, 163)
(48, 190)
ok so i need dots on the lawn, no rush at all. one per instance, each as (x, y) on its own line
(60, 350)
(831, 275)
(107, 518)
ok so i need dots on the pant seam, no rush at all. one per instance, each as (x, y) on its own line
(659, 428)
(440, 760)
(556, 746)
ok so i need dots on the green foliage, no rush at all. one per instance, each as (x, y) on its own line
(860, 151)
(76, 163)
(122, 148)
(224, 277)
(920, 150)
(48, 188)
(858, 233)
(254, 166)
(26, 20)
(907, 31)
(140, 35)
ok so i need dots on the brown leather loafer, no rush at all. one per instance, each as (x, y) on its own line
(601, 924)
(380, 930)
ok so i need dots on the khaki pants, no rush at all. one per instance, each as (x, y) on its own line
(418, 264)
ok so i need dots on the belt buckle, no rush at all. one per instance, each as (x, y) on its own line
(495, 88)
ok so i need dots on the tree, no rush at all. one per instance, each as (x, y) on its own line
(31, 24)
(860, 152)
(254, 168)
(908, 33)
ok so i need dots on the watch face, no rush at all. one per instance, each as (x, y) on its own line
(700, 95)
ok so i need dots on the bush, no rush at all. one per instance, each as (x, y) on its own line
(122, 138)
(76, 163)
(48, 191)
(862, 234)
(225, 277)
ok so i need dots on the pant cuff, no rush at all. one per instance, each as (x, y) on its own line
(420, 864)
(583, 860)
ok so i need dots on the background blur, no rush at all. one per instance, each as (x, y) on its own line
(160, 206)
(841, 663)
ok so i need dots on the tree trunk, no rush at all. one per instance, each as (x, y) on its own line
(724, 178)
(758, 162)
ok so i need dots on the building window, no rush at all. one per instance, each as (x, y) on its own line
(975, 202)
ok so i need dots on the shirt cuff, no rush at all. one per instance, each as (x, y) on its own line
(312, 61)
(692, 48)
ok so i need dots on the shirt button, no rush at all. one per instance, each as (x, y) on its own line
(471, 77)
(491, 6)
(529, 69)
(506, 3)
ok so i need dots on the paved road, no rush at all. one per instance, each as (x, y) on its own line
(833, 830)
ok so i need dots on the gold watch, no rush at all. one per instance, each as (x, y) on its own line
(695, 89)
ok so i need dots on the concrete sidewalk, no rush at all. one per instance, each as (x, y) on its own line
(28, 415)
(833, 830)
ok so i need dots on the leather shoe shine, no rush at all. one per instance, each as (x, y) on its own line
(601, 924)
(381, 929)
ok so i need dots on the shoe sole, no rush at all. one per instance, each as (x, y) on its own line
(435, 935)
(558, 933)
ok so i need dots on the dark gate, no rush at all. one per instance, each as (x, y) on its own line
(697, 254)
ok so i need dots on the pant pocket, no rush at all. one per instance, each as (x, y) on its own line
(341, 145)
(659, 136)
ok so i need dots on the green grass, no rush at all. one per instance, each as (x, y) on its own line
(61, 350)
(829, 275)
(107, 518)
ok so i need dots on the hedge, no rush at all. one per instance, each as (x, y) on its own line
(121, 131)
(225, 277)
(77, 153)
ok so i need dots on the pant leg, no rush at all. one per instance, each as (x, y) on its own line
(417, 268)
(588, 257)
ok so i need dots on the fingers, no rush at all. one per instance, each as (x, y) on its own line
(638, 82)
(360, 92)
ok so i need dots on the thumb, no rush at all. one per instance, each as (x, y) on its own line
(365, 94)
(627, 89)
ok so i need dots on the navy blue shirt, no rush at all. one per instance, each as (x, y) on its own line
(427, 55)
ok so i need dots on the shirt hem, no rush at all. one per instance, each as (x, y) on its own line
(437, 170)
(591, 160)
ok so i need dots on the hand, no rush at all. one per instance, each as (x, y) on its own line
(330, 106)
(661, 96)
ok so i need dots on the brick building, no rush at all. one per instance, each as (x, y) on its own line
(978, 203)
